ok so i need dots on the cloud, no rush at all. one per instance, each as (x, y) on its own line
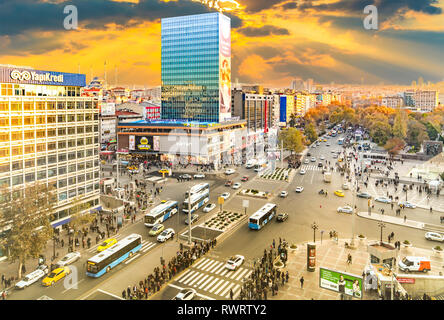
(259, 5)
(264, 31)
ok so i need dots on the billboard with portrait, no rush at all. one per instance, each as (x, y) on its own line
(341, 282)
(145, 144)
(224, 68)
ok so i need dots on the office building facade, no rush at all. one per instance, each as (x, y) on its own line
(50, 134)
(196, 68)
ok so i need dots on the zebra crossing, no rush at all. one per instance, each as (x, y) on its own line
(315, 168)
(211, 276)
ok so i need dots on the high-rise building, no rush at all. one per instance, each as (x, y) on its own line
(49, 133)
(196, 68)
(297, 84)
(421, 100)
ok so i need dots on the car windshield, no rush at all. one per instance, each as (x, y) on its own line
(155, 228)
(104, 244)
(66, 258)
(52, 275)
(164, 233)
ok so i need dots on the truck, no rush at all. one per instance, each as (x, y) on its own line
(414, 264)
(327, 177)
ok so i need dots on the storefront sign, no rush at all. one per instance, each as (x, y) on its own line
(31, 76)
(406, 280)
(345, 283)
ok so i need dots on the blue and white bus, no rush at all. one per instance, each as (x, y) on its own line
(106, 260)
(197, 201)
(341, 141)
(262, 216)
(198, 188)
(161, 213)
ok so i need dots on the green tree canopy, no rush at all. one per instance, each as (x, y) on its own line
(292, 139)
(310, 132)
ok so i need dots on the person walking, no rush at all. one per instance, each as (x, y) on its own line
(231, 294)
(301, 280)
(124, 295)
(405, 219)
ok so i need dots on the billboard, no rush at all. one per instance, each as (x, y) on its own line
(145, 144)
(341, 282)
(31, 76)
(224, 68)
(107, 108)
(132, 143)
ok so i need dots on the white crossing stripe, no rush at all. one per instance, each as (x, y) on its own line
(183, 275)
(149, 246)
(206, 281)
(191, 278)
(224, 272)
(218, 268)
(221, 287)
(128, 261)
(201, 280)
(208, 286)
(236, 291)
(209, 266)
(235, 273)
(200, 262)
(240, 276)
(187, 276)
(248, 274)
(227, 289)
(218, 284)
(203, 265)
(200, 276)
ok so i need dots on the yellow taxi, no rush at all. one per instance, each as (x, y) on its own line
(339, 193)
(56, 275)
(325, 140)
(340, 160)
(164, 171)
(106, 244)
(163, 201)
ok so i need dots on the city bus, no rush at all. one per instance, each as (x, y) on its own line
(198, 188)
(341, 141)
(106, 260)
(262, 216)
(161, 213)
(197, 201)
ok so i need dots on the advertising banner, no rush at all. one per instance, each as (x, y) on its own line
(144, 144)
(132, 143)
(31, 76)
(341, 282)
(224, 68)
(156, 143)
(107, 108)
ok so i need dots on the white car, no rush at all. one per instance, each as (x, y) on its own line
(345, 186)
(199, 176)
(302, 171)
(328, 144)
(322, 158)
(345, 209)
(165, 235)
(236, 186)
(383, 200)
(229, 171)
(299, 189)
(335, 156)
(433, 236)
(283, 194)
(30, 279)
(313, 159)
(234, 262)
(68, 259)
(225, 195)
(209, 207)
(306, 161)
(407, 204)
(185, 294)
(259, 169)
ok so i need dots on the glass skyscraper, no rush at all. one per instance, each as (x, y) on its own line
(196, 68)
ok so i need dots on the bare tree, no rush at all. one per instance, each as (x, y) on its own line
(25, 214)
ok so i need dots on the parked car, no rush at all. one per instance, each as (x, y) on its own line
(194, 218)
(299, 189)
(209, 207)
(229, 171)
(199, 176)
(236, 186)
(434, 236)
(30, 278)
(283, 194)
(156, 229)
(234, 262)
(185, 294)
(345, 209)
(68, 259)
(56, 275)
(282, 217)
(106, 244)
(166, 235)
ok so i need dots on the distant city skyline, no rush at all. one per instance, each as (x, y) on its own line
(273, 41)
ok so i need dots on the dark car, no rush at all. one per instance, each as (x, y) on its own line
(320, 165)
(364, 195)
(282, 217)
(308, 154)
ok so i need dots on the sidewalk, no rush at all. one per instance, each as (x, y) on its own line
(392, 220)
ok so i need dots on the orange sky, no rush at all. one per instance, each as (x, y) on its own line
(274, 45)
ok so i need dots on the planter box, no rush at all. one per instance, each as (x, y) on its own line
(406, 245)
(438, 252)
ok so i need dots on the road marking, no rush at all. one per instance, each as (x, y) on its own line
(248, 274)
(200, 262)
(227, 289)
(183, 275)
(236, 291)
(224, 272)
(78, 282)
(191, 278)
(208, 286)
(217, 284)
(221, 288)
(201, 280)
(128, 261)
(203, 265)
(190, 274)
(150, 246)
(209, 266)
(110, 294)
(241, 274)
(206, 281)
(218, 268)
(197, 294)
(198, 278)
(235, 273)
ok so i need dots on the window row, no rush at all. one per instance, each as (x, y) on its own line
(42, 175)
(47, 105)
(40, 120)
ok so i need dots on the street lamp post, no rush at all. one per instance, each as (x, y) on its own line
(189, 217)
(315, 227)
(382, 226)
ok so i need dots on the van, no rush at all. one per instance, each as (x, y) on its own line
(251, 163)
(414, 264)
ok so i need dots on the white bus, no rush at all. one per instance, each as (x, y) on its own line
(197, 201)
(161, 213)
(198, 188)
(111, 257)
(262, 216)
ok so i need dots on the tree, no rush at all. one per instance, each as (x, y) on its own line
(310, 132)
(80, 217)
(442, 176)
(400, 125)
(26, 214)
(416, 133)
(394, 146)
(380, 132)
(292, 139)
